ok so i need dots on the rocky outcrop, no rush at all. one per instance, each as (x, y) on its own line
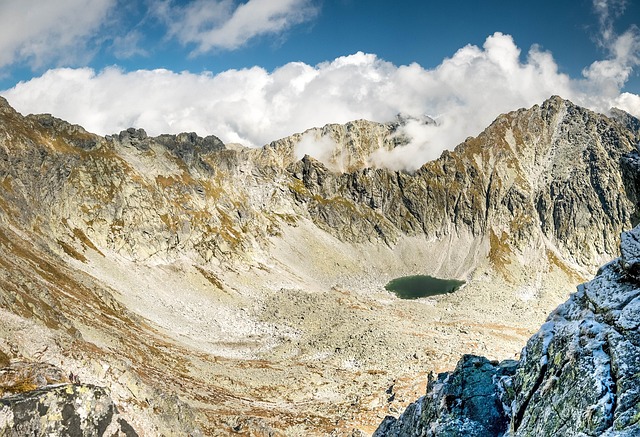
(473, 400)
(579, 375)
(630, 253)
(82, 410)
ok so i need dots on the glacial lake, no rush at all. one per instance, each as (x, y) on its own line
(414, 287)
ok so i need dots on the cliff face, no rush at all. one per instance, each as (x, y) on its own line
(547, 174)
(468, 401)
(178, 265)
(578, 375)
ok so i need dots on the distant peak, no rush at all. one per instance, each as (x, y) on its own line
(403, 119)
(625, 119)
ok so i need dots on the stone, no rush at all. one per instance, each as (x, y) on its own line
(630, 252)
(472, 400)
(63, 409)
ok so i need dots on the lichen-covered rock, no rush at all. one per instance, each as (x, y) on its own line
(580, 374)
(473, 400)
(62, 410)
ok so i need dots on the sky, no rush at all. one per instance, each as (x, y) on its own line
(253, 71)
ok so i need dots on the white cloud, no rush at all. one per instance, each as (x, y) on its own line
(607, 76)
(316, 146)
(221, 24)
(252, 106)
(38, 32)
(629, 102)
(128, 45)
(607, 11)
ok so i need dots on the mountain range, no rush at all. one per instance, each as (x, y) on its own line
(214, 288)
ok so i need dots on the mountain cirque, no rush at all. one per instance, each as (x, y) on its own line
(578, 375)
(227, 289)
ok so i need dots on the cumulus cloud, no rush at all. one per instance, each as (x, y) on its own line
(629, 102)
(38, 32)
(223, 24)
(253, 106)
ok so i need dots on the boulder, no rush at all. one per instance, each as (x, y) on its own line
(64, 409)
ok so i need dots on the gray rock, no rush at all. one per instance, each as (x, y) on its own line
(473, 400)
(630, 252)
(625, 119)
(579, 375)
(63, 410)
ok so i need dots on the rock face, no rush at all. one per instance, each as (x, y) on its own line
(580, 372)
(630, 253)
(469, 401)
(533, 175)
(73, 410)
(579, 375)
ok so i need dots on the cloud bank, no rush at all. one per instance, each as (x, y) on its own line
(253, 106)
(38, 33)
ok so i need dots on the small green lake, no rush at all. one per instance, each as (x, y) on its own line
(414, 287)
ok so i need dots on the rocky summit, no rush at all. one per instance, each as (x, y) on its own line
(209, 288)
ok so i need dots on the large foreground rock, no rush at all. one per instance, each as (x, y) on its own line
(467, 401)
(62, 410)
(578, 376)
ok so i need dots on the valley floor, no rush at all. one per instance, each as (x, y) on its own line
(279, 346)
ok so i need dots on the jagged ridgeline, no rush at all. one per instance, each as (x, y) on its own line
(180, 266)
(553, 176)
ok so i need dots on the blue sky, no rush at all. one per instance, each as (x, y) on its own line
(403, 32)
(251, 71)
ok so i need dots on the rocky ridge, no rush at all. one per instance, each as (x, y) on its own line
(542, 177)
(178, 265)
(578, 375)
